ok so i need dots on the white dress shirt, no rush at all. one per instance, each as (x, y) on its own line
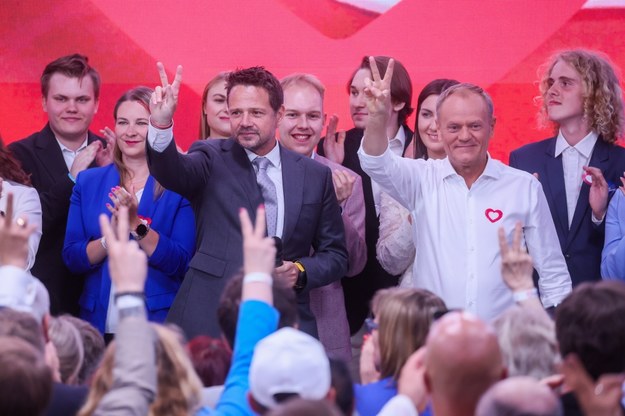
(396, 144)
(457, 242)
(574, 158)
(25, 204)
(159, 140)
(69, 155)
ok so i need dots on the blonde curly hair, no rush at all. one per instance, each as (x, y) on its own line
(603, 96)
(178, 386)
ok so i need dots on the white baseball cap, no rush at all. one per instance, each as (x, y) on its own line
(289, 361)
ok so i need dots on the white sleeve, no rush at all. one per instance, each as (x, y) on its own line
(543, 245)
(159, 139)
(398, 176)
(399, 405)
(27, 204)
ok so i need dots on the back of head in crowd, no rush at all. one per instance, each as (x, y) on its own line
(211, 359)
(68, 343)
(404, 316)
(178, 386)
(462, 361)
(303, 407)
(527, 338)
(228, 310)
(22, 325)
(342, 386)
(93, 348)
(519, 396)
(602, 92)
(25, 378)
(590, 322)
(288, 364)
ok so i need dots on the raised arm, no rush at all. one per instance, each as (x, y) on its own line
(380, 107)
(134, 372)
(517, 270)
(612, 264)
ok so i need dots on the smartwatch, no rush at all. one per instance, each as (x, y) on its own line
(142, 229)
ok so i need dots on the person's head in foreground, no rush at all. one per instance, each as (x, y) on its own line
(462, 361)
(519, 396)
(288, 364)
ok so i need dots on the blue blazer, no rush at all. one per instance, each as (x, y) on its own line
(583, 242)
(172, 218)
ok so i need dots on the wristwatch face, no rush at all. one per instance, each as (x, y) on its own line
(141, 230)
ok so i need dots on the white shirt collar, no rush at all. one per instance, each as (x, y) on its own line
(584, 146)
(491, 170)
(400, 136)
(273, 155)
(67, 149)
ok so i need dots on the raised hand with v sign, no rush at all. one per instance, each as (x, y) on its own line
(379, 105)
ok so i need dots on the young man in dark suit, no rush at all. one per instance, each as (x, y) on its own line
(54, 156)
(342, 148)
(220, 177)
(581, 166)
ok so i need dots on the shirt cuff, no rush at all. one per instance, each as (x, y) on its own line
(159, 139)
(595, 220)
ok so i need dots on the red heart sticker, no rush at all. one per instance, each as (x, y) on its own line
(493, 215)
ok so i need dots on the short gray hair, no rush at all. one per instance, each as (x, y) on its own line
(528, 342)
(463, 89)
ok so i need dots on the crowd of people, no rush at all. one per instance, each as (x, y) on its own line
(283, 267)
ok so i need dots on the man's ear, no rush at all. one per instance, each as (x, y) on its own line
(256, 407)
(44, 103)
(331, 396)
(397, 107)
(492, 126)
(45, 325)
(427, 382)
(280, 113)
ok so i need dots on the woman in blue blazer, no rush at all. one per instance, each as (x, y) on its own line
(161, 221)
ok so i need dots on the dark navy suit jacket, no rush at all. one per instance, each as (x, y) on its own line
(172, 218)
(219, 179)
(42, 158)
(583, 242)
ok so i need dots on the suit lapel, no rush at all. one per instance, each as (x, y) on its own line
(49, 153)
(293, 175)
(409, 135)
(599, 159)
(238, 163)
(555, 190)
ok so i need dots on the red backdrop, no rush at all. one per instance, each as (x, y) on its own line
(497, 44)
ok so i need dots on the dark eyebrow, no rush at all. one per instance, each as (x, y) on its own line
(566, 78)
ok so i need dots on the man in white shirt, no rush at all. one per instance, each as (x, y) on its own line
(460, 202)
(578, 168)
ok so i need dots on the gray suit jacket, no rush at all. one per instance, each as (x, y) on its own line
(134, 373)
(218, 178)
